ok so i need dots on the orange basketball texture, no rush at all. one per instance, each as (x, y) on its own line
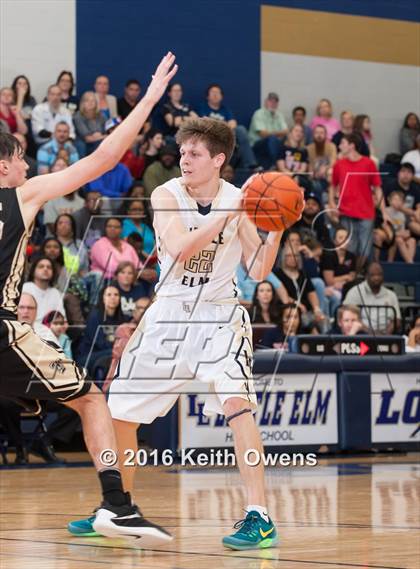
(273, 201)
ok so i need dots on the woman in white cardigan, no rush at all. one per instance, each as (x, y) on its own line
(107, 104)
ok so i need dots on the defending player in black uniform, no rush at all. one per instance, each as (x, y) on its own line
(32, 369)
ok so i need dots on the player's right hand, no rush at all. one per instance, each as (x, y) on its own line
(163, 74)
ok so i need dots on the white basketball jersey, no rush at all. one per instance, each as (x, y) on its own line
(210, 274)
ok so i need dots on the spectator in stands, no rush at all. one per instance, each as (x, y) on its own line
(66, 83)
(116, 182)
(73, 288)
(129, 287)
(100, 329)
(89, 122)
(47, 153)
(24, 100)
(310, 253)
(131, 97)
(354, 179)
(41, 281)
(412, 341)
(338, 268)
(413, 157)
(215, 109)
(107, 104)
(69, 203)
(153, 142)
(293, 156)
(147, 262)
(76, 259)
(175, 110)
(46, 115)
(10, 113)
(265, 308)
(32, 163)
(324, 116)
(362, 127)
(411, 191)
(136, 191)
(90, 225)
(349, 321)
(53, 250)
(311, 224)
(283, 336)
(56, 322)
(404, 242)
(300, 288)
(122, 334)
(322, 155)
(26, 313)
(247, 285)
(372, 293)
(299, 117)
(109, 251)
(347, 127)
(405, 184)
(267, 130)
(136, 222)
(162, 170)
(409, 132)
(383, 235)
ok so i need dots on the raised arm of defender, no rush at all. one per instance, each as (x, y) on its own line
(36, 191)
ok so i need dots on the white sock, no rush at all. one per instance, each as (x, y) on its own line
(260, 509)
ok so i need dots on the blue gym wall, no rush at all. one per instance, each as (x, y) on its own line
(215, 41)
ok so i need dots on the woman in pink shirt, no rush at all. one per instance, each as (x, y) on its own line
(109, 251)
(324, 117)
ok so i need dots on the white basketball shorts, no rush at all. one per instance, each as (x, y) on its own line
(175, 343)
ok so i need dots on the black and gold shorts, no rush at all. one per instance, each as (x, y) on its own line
(32, 368)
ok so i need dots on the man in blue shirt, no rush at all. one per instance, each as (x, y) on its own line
(115, 183)
(215, 109)
(48, 153)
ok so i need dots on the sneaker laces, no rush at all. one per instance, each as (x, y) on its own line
(248, 524)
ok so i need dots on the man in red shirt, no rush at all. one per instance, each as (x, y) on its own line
(354, 193)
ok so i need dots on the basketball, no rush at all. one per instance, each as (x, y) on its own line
(273, 201)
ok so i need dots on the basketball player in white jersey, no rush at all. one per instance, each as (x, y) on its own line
(196, 328)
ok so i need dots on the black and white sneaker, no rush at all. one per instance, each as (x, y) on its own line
(128, 521)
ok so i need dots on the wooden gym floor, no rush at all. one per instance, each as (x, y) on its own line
(345, 513)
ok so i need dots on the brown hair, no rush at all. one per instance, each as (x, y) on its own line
(123, 265)
(351, 308)
(215, 134)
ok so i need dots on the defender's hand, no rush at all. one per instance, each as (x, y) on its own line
(163, 74)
